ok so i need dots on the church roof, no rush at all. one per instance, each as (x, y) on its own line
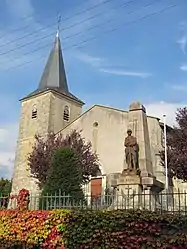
(54, 75)
(107, 108)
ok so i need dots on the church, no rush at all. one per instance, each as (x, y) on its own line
(53, 108)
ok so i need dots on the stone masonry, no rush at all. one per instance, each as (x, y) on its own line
(49, 118)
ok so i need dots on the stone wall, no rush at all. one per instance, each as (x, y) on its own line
(50, 107)
(106, 129)
(107, 137)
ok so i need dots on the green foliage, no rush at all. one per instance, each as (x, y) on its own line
(40, 158)
(118, 229)
(177, 147)
(64, 175)
(5, 189)
(125, 229)
(5, 186)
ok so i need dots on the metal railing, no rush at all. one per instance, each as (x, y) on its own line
(163, 202)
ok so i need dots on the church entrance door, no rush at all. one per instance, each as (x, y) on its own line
(96, 187)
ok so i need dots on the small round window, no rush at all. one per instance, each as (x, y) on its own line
(95, 124)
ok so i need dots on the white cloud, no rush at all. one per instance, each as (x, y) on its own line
(8, 137)
(183, 25)
(126, 73)
(20, 8)
(183, 42)
(182, 88)
(104, 66)
(91, 60)
(158, 109)
(184, 67)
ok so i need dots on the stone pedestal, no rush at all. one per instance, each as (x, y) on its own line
(130, 190)
(136, 192)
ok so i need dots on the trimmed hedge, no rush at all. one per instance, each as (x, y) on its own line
(32, 228)
(86, 229)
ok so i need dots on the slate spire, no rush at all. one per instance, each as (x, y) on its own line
(54, 75)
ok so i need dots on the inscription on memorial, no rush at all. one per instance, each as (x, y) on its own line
(129, 180)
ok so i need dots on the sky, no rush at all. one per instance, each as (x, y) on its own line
(115, 53)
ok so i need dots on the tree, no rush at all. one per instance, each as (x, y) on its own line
(177, 147)
(64, 175)
(40, 158)
(5, 186)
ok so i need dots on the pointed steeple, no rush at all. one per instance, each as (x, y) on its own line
(54, 76)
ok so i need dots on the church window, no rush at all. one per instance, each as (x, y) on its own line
(95, 124)
(66, 113)
(34, 112)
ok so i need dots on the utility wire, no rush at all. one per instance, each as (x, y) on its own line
(125, 24)
(52, 33)
(104, 33)
(71, 36)
(63, 19)
(28, 34)
(46, 15)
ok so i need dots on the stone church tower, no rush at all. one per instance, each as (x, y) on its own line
(50, 108)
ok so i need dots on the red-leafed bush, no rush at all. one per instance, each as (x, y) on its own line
(22, 199)
(118, 229)
(31, 229)
(40, 158)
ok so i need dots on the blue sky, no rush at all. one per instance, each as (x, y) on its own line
(142, 59)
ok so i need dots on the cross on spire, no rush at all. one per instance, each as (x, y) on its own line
(54, 75)
(58, 26)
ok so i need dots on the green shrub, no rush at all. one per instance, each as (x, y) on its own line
(65, 175)
(125, 229)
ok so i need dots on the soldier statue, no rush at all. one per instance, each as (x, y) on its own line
(131, 151)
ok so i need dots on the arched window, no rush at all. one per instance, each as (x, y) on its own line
(34, 112)
(66, 113)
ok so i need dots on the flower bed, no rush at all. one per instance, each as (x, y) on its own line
(92, 229)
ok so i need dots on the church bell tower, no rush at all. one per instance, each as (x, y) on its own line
(50, 108)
